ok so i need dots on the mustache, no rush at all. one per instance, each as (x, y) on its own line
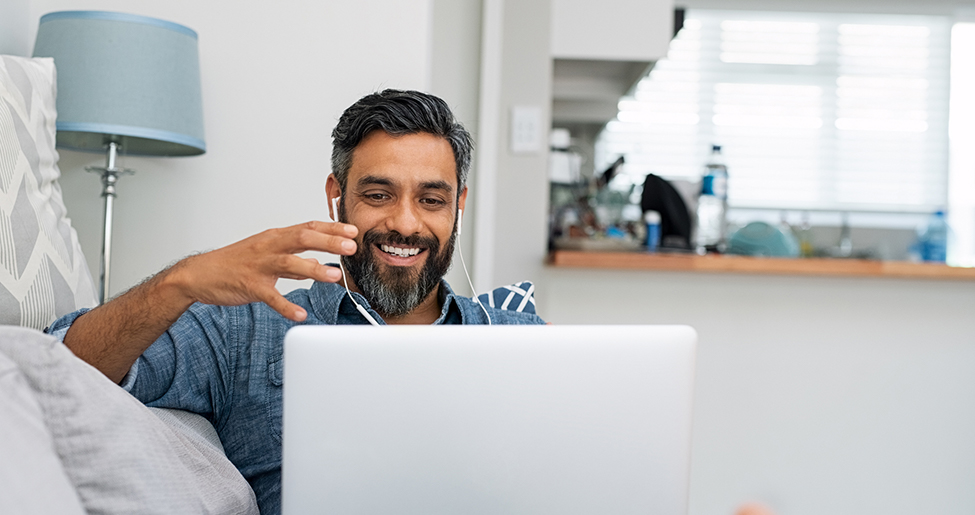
(376, 237)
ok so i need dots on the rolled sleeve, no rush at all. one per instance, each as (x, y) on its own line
(60, 326)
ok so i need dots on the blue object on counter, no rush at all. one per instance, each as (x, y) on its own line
(652, 219)
(763, 239)
(932, 239)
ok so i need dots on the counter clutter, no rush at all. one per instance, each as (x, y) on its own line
(682, 216)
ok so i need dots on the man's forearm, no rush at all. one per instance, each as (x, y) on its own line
(111, 337)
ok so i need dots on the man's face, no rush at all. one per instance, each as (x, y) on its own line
(401, 193)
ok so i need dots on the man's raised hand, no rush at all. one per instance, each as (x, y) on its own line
(247, 271)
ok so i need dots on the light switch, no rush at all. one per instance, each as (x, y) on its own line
(526, 129)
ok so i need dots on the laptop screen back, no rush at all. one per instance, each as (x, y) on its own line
(478, 419)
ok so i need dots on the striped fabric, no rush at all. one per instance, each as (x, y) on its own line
(43, 273)
(518, 297)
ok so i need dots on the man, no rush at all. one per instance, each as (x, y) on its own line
(206, 334)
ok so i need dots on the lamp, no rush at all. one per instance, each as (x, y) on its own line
(127, 84)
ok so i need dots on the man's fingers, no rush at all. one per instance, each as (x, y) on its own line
(278, 303)
(331, 273)
(305, 238)
(337, 228)
(294, 267)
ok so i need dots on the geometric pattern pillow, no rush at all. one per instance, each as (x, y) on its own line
(516, 297)
(43, 273)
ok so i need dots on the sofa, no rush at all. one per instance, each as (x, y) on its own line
(72, 441)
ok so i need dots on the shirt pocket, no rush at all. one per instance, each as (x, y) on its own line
(275, 378)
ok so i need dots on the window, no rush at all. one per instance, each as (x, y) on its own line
(821, 112)
(961, 215)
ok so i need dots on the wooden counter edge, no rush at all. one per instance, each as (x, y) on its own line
(755, 265)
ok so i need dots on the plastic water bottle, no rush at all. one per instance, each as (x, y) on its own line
(712, 204)
(652, 219)
(933, 239)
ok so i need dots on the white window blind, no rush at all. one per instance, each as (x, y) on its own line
(813, 111)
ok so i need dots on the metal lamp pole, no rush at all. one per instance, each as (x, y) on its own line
(110, 175)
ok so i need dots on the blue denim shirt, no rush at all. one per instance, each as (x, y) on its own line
(225, 363)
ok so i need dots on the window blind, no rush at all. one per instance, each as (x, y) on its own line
(813, 111)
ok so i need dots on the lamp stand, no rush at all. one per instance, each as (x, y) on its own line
(110, 175)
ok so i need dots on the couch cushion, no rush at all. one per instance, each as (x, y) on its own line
(43, 273)
(120, 457)
(31, 476)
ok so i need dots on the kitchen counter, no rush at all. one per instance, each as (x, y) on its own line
(757, 265)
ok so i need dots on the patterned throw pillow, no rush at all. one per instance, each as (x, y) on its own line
(515, 297)
(43, 273)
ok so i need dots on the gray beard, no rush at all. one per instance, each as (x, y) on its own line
(397, 291)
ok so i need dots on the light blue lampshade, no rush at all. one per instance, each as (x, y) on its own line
(124, 78)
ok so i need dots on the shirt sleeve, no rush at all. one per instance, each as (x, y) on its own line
(191, 366)
(60, 326)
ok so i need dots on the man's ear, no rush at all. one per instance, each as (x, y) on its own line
(332, 190)
(462, 200)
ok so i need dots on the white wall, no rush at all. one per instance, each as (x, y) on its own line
(275, 79)
(511, 245)
(456, 65)
(14, 23)
(813, 395)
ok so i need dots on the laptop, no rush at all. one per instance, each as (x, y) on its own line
(487, 419)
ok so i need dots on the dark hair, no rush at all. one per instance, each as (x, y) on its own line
(398, 113)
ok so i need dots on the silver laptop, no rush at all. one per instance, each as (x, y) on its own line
(487, 420)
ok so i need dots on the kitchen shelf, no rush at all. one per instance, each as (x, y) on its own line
(757, 265)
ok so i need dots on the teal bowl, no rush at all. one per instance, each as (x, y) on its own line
(763, 239)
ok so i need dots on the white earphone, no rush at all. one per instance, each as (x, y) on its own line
(362, 310)
(460, 251)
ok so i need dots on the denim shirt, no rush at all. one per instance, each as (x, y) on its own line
(225, 363)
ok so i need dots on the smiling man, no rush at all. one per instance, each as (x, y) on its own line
(206, 334)
(403, 194)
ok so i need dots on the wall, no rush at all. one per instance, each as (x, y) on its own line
(456, 66)
(14, 25)
(510, 240)
(275, 79)
(812, 395)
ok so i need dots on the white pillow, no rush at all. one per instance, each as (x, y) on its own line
(43, 274)
(120, 457)
(31, 477)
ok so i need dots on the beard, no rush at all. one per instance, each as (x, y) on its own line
(398, 290)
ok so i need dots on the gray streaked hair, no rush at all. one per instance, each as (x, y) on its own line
(399, 113)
